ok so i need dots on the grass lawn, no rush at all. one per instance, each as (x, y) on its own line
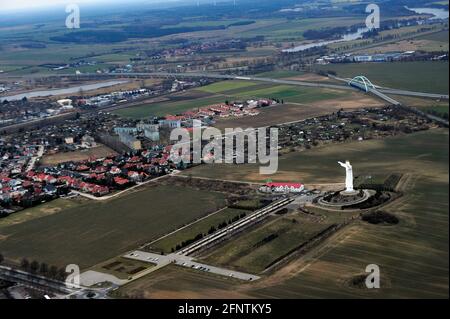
(92, 232)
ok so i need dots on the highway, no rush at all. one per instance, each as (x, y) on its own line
(398, 92)
(383, 96)
(242, 78)
(414, 94)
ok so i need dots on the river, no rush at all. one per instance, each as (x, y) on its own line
(66, 91)
(347, 37)
(437, 14)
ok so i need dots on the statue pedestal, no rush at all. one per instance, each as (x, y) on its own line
(349, 193)
(344, 198)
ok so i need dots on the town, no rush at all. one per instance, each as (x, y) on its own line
(137, 154)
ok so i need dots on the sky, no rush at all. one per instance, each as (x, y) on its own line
(8, 5)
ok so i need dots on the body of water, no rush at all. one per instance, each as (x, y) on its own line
(348, 37)
(437, 14)
(66, 91)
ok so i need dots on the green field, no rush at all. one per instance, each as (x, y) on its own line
(200, 227)
(293, 94)
(427, 76)
(165, 108)
(441, 36)
(412, 255)
(440, 110)
(220, 87)
(92, 232)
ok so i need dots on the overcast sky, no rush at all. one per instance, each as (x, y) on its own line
(36, 4)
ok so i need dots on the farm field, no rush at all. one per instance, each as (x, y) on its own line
(79, 155)
(432, 42)
(440, 110)
(415, 248)
(290, 112)
(166, 244)
(431, 77)
(39, 211)
(317, 165)
(222, 86)
(92, 232)
(164, 108)
(420, 102)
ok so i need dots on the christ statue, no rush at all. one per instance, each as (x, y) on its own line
(348, 177)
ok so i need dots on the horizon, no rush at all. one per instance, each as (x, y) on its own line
(29, 5)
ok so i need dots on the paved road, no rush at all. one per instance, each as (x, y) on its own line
(416, 94)
(34, 159)
(188, 262)
(383, 96)
(107, 197)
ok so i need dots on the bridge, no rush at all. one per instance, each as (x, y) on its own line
(362, 83)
